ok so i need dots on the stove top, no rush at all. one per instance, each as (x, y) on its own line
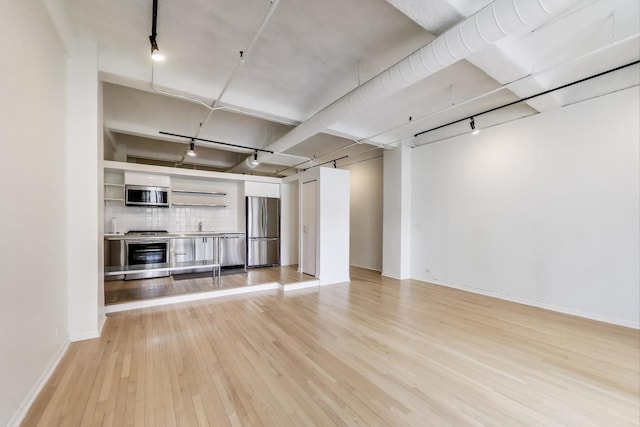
(147, 232)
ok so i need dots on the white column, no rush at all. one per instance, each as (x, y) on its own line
(289, 208)
(396, 236)
(333, 221)
(85, 314)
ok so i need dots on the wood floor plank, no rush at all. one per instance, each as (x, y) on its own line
(376, 351)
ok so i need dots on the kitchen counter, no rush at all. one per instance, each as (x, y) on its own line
(172, 235)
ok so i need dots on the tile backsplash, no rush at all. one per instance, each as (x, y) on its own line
(182, 218)
(171, 219)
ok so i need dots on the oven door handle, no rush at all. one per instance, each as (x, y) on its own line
(149, 250)
(145, 242)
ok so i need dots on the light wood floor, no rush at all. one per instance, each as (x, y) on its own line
(119, 291)
(373, 352)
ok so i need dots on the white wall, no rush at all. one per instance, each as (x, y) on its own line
(365, 242)
(100, 208)
(84, 227)
(33, 260)
(543, 210)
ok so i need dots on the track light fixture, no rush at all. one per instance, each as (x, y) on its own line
(195, 138)
(517, 101)
(192, 146)
(474, 131)
(255, 161)
(155, 52)
(334, 161)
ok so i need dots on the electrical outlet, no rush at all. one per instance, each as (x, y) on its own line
(426, 270)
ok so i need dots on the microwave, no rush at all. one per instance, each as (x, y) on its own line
(137, 195)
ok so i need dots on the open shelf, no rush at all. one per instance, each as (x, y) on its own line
(208, 193)
(113, 188)
(206, 205)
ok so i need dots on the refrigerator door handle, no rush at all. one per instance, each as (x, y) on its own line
(264, 216)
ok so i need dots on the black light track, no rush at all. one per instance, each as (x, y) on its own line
(530, 97)
(324, 163)
(217, 142)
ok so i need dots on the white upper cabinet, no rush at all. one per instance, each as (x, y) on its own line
(151, 180)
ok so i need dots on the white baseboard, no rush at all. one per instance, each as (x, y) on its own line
(24, 407)
(393, 276)
(367, 267)
(334, 281)
(88, 335)
(300, 285)
(546, 306)
(103, 319)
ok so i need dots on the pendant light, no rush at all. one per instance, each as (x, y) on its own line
(155, 52)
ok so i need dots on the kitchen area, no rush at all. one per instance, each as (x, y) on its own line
(179, 232)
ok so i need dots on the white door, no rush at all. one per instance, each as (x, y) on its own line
(309, 226)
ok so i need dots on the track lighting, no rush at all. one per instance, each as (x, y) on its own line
(334, 161)
(155, 52)
(255, 161)
(192, 146)
(195, 138)
(474, 131)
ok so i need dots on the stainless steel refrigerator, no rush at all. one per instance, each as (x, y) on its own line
(263, 231)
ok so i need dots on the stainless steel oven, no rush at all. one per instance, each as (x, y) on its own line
(146, 250)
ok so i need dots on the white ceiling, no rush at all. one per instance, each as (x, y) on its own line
(313, 52)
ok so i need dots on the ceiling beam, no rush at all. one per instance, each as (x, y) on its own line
(487, 26)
